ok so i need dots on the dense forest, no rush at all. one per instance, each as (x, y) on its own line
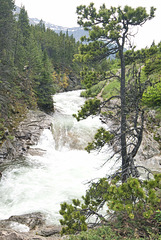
(35, 62)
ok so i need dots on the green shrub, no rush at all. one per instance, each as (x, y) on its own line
(136, 199)
(152, 97)
(101, 138)
(97, 234)
(153, 65)
(91, 107)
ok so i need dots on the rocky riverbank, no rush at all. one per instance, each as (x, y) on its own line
(26, 135)
(28, 226)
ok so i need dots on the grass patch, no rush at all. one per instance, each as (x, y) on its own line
(94, 90)
(111, 89)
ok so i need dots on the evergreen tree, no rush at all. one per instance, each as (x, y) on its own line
(20, 54)
(6, 46)
(23, 24)
(7, 73)
(60, 48)
(6, 29)
(22, 40)
(44, 88)
(108, 32)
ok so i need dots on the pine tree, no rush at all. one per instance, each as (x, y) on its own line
(109, 30)
(6, 29)
(44, 88)
(22, 40)
(6, 44)
(24, 26)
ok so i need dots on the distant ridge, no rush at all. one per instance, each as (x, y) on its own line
(77, 32)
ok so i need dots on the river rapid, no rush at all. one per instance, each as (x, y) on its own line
(41, 183)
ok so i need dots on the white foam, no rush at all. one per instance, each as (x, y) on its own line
(44, 182)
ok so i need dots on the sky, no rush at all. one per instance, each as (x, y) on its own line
(63, 13)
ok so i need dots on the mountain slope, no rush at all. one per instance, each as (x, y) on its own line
(77, 32)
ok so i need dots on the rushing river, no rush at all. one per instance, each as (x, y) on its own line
(43, 182)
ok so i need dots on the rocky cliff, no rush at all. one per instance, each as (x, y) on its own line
(26, 135)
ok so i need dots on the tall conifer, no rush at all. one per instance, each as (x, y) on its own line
(6, 44)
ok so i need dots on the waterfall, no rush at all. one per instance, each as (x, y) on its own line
(41, 183)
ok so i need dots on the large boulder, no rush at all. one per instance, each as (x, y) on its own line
(24, 222)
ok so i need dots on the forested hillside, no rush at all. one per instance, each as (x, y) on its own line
(35, 62)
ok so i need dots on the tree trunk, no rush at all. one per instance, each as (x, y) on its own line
(123, 120)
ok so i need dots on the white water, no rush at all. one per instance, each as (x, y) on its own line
(43, 182)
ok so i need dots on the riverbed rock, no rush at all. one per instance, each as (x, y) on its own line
(24, 223)
(36, 151)
(32, 220)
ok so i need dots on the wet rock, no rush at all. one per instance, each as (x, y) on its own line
(23, 223)
(26, 135)
(32, 220)
(6, 150)
(36, 151)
